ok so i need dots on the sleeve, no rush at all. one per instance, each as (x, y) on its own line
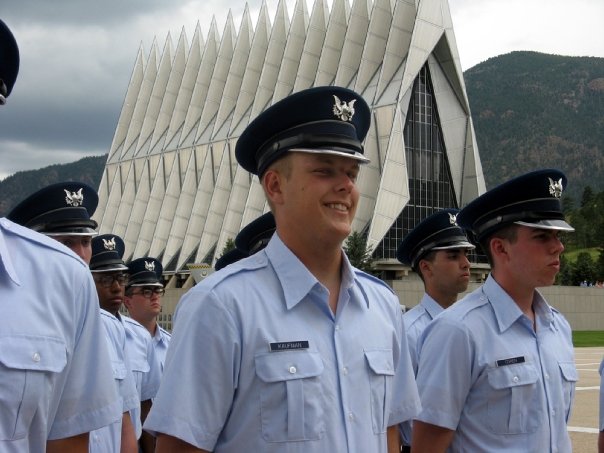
(200, 373)
(150, 382)
(89, 399)
(444, 375)
(406, 403)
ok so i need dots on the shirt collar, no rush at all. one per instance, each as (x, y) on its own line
(296, 280)
(5, 258)
(432, 307)
(507, 311)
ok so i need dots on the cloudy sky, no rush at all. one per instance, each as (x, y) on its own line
(77, 58)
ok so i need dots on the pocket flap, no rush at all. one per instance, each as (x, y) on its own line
(26, 352)
(512, 376)
(119, 370)
(380, 361)
(569, 371)
(285, 366)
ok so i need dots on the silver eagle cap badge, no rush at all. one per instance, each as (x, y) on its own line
(109, 244)
(453, 219)
(74, 199)
(555, 187)
(343, 110)
(150, 266)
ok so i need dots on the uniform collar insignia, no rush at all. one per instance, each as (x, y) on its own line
(555, 187)
(343, 110)
(150, 266)
(453, 219)
(74, 199)
(109, 244)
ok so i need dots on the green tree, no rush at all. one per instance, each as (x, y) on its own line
(584, 269)
(228, 246)
(565, 276)
(357, 252)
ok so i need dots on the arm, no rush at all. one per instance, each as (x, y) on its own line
(430, 438)
(394, 439)
(169, 444)
(75, 444)
(129, 444)
(147, 441)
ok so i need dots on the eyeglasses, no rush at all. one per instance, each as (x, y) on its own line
(148, 292)
(107, 280)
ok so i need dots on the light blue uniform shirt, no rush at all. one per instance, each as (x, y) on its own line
(161, 341)
(484, 372)
(601, 370)
(108, 438)
(144, 365)
(258, 362)
(416, 320)
(55, 375)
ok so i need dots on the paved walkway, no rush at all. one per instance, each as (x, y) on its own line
(583, 426)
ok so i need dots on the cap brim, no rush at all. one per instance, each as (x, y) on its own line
(147, 284)
(351, 155)
(553, 224)
(110, 268)
(457, 245)
(78, 232)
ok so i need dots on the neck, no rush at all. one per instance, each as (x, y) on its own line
(445, 300)
(522, 295)
(149, 324)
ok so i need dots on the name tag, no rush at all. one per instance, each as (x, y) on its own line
(288, 345)
(511, 361)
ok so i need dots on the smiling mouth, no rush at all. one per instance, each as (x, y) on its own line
(338, 207)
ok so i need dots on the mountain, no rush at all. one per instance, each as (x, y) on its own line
(534, 110)
(17, 187)
(529, 109)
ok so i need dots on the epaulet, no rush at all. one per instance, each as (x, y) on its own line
(364, 275)
(251, 263)
(133, 322)
(413, 315)
(164, 331)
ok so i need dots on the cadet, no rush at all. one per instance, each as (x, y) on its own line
(110, 277)
(143, 301)
(496, 370)
(437, 250)
(54, 369)
(292, 349)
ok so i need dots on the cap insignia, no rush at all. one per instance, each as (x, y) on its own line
(74, 199)
(453, 219)
(343, 110)
(109, 244)
(150, 266)
(555, 187)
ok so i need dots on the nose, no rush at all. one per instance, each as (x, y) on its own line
(346, 183)
(465, 262)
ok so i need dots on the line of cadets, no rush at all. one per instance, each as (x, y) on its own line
(289, 348)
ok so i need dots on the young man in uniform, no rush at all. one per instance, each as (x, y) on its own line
(292, 349)
(496, 370)
(437, 250)
(54, 368)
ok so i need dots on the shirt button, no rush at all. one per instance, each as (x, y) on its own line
(350, 416)
(345, 371)
(35, 357)
(547, 376)
(515, 379)
(292, 369)
(553, 413)
(337, 327)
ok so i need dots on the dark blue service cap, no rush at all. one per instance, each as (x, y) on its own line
(439, 231)
(324, 120)
(64, 208)
(107, 253)
(256, 234)
(229, 257)
(9, 62)
(532, 199)
(145, 272)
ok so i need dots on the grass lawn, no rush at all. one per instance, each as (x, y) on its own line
(582, 338)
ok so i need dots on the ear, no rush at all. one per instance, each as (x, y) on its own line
(499, 249)
(127, 302)
(424, 267)
(272, 181)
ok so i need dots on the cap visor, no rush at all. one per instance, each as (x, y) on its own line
(457, 245)
(553, 224)
(352, 155)
(146, 284)
(78, 232)
(110, 268)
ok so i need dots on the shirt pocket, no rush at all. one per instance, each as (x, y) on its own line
(570, 377)
(381, 372)
(291, 395)
(29, 367)
(514, 399)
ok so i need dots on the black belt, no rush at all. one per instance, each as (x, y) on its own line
(406, 449)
